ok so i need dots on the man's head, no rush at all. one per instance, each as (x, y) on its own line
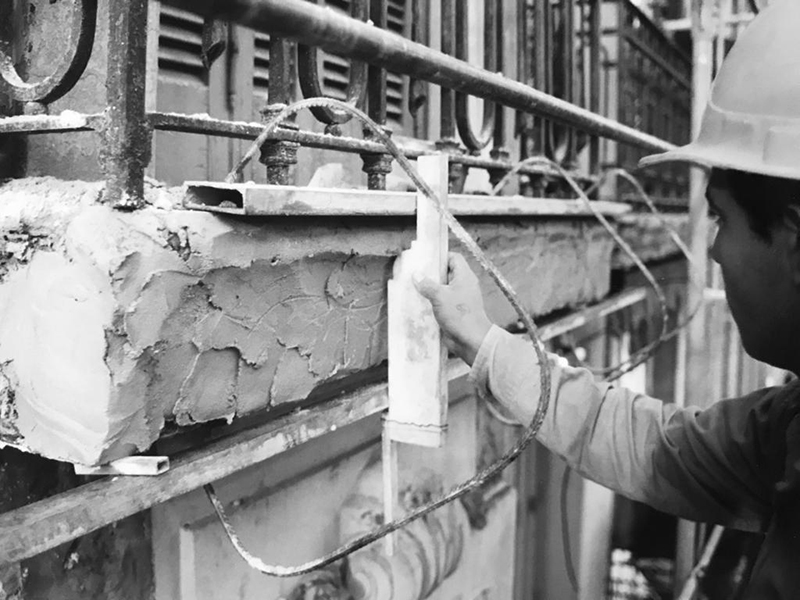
(758, 248)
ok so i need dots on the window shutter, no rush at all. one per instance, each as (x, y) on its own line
(261, 63)
(397, 22)
(180, 40)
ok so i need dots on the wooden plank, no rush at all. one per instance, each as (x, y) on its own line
(268, 200)
(417, 355)
(43, 525)
(48, 523)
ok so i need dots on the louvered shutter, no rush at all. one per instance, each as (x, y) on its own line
(180, 42)
(261, 63)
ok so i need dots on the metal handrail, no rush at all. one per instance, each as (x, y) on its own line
(350, 38)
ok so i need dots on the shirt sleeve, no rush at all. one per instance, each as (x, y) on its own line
(704, 465)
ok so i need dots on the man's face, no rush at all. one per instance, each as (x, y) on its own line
(759, 279)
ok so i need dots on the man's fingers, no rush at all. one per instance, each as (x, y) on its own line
(457, 267)
(428, 288)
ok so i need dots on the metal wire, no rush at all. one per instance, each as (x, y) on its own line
(472, 247)
(628, 176)
(644, 353)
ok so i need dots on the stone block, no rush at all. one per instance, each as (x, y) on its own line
(114, 323)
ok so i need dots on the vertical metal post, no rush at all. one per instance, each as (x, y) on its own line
(277, 156)
(594, 80)
(499, 150)
(695, 357)
(568, 70)
(377, 166)
(126, 147)
(448, 96)
(448, 140)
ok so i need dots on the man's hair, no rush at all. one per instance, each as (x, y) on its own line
(763, 198)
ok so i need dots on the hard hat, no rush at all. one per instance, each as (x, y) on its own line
(752, 121)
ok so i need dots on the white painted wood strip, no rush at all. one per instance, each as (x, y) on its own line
(269, 200)
(417, 355)
(130, 465)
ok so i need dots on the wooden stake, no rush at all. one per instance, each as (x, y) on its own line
(417, 355)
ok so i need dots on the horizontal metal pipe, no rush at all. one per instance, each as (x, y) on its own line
(339, 34)
(204, 125)
(48, 523)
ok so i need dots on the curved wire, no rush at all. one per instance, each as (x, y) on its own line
(466, 240)
(644, 353)
(628, 176)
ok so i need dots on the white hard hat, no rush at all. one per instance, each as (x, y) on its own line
(752, 121)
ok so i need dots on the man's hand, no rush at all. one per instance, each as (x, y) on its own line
(458, 307)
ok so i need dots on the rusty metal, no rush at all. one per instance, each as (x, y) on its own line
(491, 51)
(308, 74)
(594, 79)
(127, 137)
(68, 71)
(203, 125)
(417, 89)
(567, 79)
(377, 165)
(279, 155)
(499, 151)
(448, 140)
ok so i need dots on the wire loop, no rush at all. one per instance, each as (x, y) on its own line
(472, 247)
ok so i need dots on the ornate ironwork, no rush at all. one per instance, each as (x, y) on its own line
(654, 91)
(280, 155)
(308, 73)
(377, 165)
(491, 51)
(67, 72)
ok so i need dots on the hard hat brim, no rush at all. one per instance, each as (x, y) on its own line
(694, 154)
(722, 156)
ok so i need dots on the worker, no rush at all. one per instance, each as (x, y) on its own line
(736, 463)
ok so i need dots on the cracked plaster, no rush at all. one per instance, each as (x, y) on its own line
(116, 322)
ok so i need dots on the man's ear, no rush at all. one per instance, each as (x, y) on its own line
(791, 216)
(791, 219)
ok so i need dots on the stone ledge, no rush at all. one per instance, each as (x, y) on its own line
(114, 323)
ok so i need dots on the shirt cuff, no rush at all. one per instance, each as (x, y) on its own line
(479, 374)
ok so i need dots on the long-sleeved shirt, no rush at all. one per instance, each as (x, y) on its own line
(736, 463)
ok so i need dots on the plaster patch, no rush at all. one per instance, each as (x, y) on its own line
(52, 339)
(208, 392)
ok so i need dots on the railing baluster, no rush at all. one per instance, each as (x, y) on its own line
(448, 142)
(127, 134)
(68, 71)
(377, 166)
(594, 79)
(499, 150)
(568, 74)
(476, 143)
(308, 74)
(279, 156)
(418, 89)
(542, 80)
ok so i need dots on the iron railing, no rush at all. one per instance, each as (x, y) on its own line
(556, 89)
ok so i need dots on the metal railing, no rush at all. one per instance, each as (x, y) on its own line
(556, 90)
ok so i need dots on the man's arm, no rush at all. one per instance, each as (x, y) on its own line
(701, 465)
